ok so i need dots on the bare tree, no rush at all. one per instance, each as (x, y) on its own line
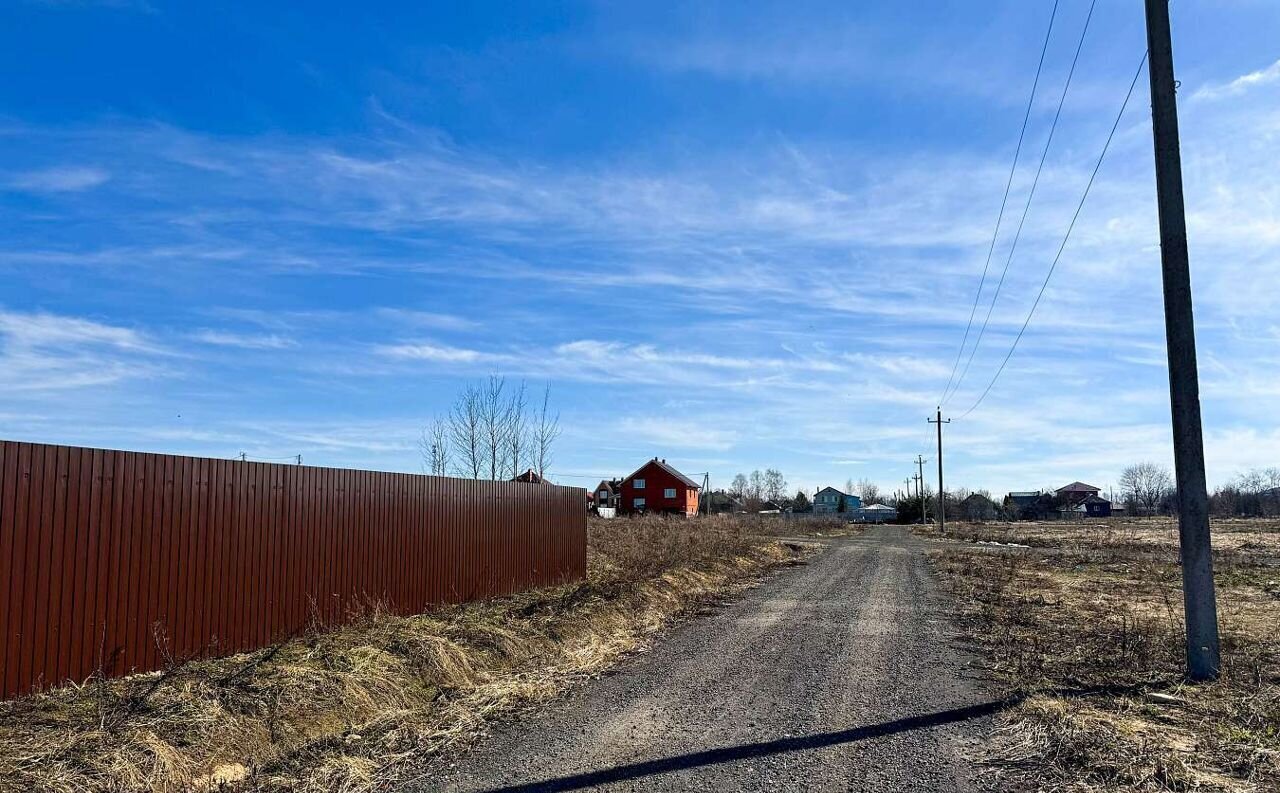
(775, 485)
(435, 446)
(495, 423)
(868, 491)
(1146, 484)
(517, 430)
(545, 432)
(1257, 492)
(466, 425)
(738, 488)
(755, 489)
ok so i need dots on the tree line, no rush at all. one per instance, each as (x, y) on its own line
(491, 432)
(1145, 488)
(756, 488)
(1149, 489)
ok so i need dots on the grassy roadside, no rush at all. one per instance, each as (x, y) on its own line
(346, 709)
(1090, 627)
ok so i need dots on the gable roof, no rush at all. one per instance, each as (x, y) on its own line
(721, 497)
(530, 476)
(663, 465)
(1079, 487)
(825, 489)
(608, 485)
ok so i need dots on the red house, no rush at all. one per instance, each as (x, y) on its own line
(660, 489)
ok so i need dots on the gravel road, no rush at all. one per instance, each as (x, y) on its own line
(837, 675)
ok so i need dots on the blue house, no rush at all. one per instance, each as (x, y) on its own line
(828, 500)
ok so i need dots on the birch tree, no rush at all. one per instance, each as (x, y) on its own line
(546, 430)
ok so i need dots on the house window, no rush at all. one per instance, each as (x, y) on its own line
(638, 484)
(638, 503)
(670, 492)
(604, 494)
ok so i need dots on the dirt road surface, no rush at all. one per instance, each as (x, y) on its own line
(838, 675)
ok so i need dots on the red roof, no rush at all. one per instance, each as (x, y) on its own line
(1079, 487)
(663, 465)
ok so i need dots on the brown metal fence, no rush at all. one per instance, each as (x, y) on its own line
(119, 560)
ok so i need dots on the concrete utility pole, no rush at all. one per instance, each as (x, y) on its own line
(1200, 604)
(920, 461)
(942, 494)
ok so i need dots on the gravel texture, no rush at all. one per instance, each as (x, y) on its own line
(842, 674)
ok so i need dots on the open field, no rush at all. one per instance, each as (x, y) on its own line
(1254, 540)
(343, 709)
(1087, 622)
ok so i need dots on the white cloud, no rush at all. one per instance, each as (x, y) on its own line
(247, 341)
(1240, 85)
(427, 319)
(48, 352)
(432, 352)
(663, 432)
(66, 179)
(51, 330)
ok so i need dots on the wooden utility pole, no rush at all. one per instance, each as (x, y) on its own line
(942, 494)
(1200, 603)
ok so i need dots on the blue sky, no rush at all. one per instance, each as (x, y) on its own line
(734, 235)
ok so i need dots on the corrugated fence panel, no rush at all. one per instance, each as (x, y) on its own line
(124, 562)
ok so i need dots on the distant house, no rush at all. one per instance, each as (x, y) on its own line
(1028, 505)
(978, 507)
(769, 508)
(1096, 506)
(829, 500)
(1077, 493)
(659, 488)
(876, 513)
(531, 477)
(606, 494)
(719, 502)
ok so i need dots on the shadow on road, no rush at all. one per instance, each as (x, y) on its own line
(729, 754)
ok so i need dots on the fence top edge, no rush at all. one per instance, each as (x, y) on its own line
(289, 466)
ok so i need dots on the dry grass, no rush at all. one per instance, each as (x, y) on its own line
(1253, 540)
(1093, 631)
(345, 709)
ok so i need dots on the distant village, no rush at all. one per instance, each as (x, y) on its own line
(658, 488)
(494, 430)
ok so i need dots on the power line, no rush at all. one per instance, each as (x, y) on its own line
(1079, 207)
(1017, 153)
(1026, 210)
